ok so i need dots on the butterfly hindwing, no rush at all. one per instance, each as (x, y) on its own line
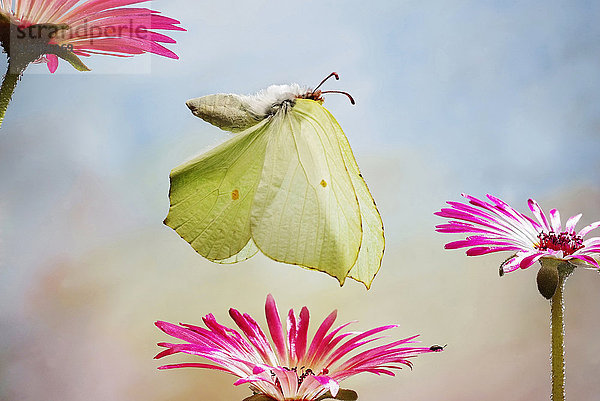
(373, 243)
(246, 253)
(211, 197)
(305, 209)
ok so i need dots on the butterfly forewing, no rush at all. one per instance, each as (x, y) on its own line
(211, 197)
(305, 210)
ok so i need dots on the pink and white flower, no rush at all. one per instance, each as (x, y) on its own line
(498, 227)
(293, 368)
(82, 28)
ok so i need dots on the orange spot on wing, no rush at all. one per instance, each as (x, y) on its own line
(235, 194)
(323, 183)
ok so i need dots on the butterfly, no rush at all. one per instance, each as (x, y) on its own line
(286, 184)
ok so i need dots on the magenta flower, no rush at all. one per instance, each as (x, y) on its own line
(83, 28)
(497, 227)
(294, 369)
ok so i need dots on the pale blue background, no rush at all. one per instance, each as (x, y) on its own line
(452, 96)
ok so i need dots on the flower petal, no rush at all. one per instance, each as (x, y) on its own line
(587, 259)
(275, 328)
(555, 221)
(539, 214)
(302, 333)
(587, 229)
(573, 220)
(530, 259)
(52, 62)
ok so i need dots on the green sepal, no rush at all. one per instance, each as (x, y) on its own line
(72, 59)
(343, 394)
(551, 274)
(547, 279)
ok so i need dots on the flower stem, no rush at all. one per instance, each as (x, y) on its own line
(558, 334)
(9, 83)
(558, 339)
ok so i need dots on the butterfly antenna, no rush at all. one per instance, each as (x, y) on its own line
(343, 93)
(333, 74)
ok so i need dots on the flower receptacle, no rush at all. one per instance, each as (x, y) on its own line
(552, 273)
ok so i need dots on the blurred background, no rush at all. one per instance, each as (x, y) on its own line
(452, 96)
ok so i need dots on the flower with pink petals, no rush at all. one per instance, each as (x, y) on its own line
(42, 31)
(290, 367)
(47, 29)
(494, 226)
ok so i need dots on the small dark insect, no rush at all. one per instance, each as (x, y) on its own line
(437, 348)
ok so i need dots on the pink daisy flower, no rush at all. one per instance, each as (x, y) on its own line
(496, 227)
(45, 30)
(42, 31)
(294, 368)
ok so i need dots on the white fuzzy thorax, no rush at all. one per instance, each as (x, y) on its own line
(267, 101)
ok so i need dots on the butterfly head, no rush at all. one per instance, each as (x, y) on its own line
(317, 94)
(276, 98)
